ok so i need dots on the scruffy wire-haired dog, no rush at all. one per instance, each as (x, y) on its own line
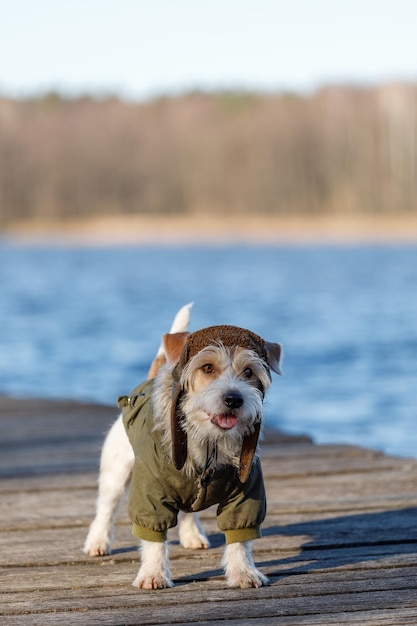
(187, 439)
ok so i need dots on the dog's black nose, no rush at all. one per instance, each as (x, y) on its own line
(233, 399)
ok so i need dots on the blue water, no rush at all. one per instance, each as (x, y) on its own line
(85, 324)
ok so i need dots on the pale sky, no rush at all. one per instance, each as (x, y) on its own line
(139, 49)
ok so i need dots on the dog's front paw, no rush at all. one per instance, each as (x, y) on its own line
(239, 567)
(152, 581)
(154, 572)
(248, 579)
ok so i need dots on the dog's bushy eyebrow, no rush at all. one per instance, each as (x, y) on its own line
(244, 358)
(216, 355)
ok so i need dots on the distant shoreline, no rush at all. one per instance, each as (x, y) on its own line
(196, 230)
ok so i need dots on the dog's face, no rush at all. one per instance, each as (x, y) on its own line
(224, 389)
(220, 375)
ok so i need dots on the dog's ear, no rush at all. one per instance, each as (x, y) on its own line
(274, 355)
(173, 345)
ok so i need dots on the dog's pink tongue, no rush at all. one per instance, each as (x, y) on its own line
(225, 421)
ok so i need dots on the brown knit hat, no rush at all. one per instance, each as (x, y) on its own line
(229, 336)
(193, 343)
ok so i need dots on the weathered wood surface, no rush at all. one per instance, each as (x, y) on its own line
(339, 545)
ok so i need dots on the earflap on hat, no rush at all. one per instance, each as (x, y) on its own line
(249, 445)
(178, 435)
(274, 354)
(174, 344)
(273, 357)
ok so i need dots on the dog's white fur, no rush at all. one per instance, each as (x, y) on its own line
(202, 404)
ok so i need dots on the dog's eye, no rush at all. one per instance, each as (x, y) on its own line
(208, 368)
(247, 372)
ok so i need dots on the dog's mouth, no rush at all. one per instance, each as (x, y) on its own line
(224, 420)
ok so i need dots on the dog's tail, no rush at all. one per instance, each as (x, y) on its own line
(180, 324)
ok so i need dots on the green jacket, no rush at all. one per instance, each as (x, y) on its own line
(159, 491)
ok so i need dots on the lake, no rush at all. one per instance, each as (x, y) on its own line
(85, 323)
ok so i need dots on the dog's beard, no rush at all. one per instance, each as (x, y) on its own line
(209, 422)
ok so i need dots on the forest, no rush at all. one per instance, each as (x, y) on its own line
(340, 150)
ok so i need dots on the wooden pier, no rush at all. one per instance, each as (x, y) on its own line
(339, 544)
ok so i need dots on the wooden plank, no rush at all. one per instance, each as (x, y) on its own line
(294, 466)
(348, 487)
(400, 617)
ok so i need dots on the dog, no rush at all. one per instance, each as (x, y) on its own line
(187, 438)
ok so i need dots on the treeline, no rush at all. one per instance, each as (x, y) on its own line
(340, 150)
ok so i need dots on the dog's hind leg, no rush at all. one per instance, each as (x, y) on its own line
(116, 465)
(191, 532)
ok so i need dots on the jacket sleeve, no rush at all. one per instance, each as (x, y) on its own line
(150, 508)
(242, 513)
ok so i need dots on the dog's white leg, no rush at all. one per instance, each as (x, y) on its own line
(239, 566)
(154, 571)
(116, 465)
(191, 532)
